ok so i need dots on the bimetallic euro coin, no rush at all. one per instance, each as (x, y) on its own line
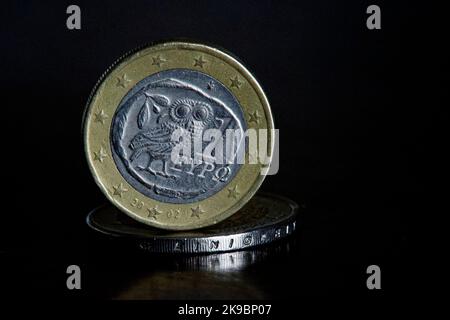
(135, 114)
(264, 219)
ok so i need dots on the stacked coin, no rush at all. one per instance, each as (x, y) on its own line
(165, 136)
(264, 219)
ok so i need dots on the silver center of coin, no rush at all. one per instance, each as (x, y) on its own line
(148, 115)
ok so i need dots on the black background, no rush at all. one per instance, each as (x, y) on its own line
(353, 107)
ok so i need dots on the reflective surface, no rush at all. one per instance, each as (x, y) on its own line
(233, 275)
(266, 218)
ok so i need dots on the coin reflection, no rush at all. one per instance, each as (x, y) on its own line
(231, 261)
(213, 276)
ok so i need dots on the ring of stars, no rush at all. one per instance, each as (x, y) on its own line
(158, 61)
(254, 117)
(100, 155)
(122, 81)
(119, 190)
(199, 62)
(235, 82)
(196, 212)
(100, 117)
(154, 212)
(233, 192)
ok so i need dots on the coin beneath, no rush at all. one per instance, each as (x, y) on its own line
(264, 219)
(165, 135)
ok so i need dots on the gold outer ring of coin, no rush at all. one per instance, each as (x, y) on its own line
(123, 76)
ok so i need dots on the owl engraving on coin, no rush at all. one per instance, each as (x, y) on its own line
(143, 128)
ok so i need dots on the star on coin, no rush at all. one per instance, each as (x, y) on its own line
(196, 212)
(232, 192)
(158, 61)
(254, 117)
(199, 62)
(119, 190)
(235, 82)
(100, 155)
(100, 117)
(153, 212)
(122, 81)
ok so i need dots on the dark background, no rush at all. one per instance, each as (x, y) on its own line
(353, 107)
